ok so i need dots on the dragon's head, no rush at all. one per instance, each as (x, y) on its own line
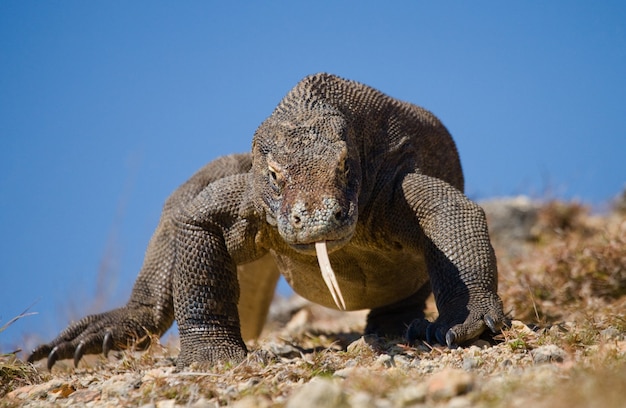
(306, 179)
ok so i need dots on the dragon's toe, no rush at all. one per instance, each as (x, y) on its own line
(53, 357)
(107, 343)
(78, 353)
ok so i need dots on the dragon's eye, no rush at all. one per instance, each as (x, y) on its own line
(274, 178)
(272, 174)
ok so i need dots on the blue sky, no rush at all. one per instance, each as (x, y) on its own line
(106, 107)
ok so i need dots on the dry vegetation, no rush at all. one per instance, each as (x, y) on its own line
(562, 277)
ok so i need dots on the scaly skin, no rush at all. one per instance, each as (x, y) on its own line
(377, 180)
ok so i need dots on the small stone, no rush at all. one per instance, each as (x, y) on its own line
(41, 391)
(415, 363)
(204, 403)
(155, 373)
(84, 396)
(318, 392)
(459, 350)
(469, 363)
(362, 400)
(120, 385)
(351, 363)
(473, 350)
(250, 401)
(522, 328)
(459, 402)
(171, 403)
(402, 361)
(481, 344)
(284, 350)
(428, 367)
(249, 384)
(611, 333)
(449, 383)
(231, 391)
(363, 344)
(261, 357)
(20, 393)
(385, 360)
(411, 395)
(548, 354)
(345, 372)
(64, 391)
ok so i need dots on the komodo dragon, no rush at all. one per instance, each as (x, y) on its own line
(339, 173)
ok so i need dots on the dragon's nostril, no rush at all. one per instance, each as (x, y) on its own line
(338, 215)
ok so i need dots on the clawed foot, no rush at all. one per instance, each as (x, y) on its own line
(445, 332)
(114, 330)
(64, 350)
(202, 348)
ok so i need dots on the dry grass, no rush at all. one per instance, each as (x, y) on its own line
(575, 270)
(14, 372)
(567, 347)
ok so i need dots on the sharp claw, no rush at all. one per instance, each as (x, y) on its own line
(417, 330)
(31, 357)
(78, 353)
(491, 323)
(451, 339)
(107, 343)
(440, 336)
(53, 357)
(430, 335)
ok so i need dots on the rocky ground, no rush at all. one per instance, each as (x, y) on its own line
(562, 279)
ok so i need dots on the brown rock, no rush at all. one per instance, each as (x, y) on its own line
(449, 383)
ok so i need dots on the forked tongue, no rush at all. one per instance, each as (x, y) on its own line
(329, 276)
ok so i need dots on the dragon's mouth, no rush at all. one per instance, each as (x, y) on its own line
(310, 247)
(321, 249)
(329, 275)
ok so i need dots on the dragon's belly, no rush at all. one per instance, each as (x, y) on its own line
(367, 278)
